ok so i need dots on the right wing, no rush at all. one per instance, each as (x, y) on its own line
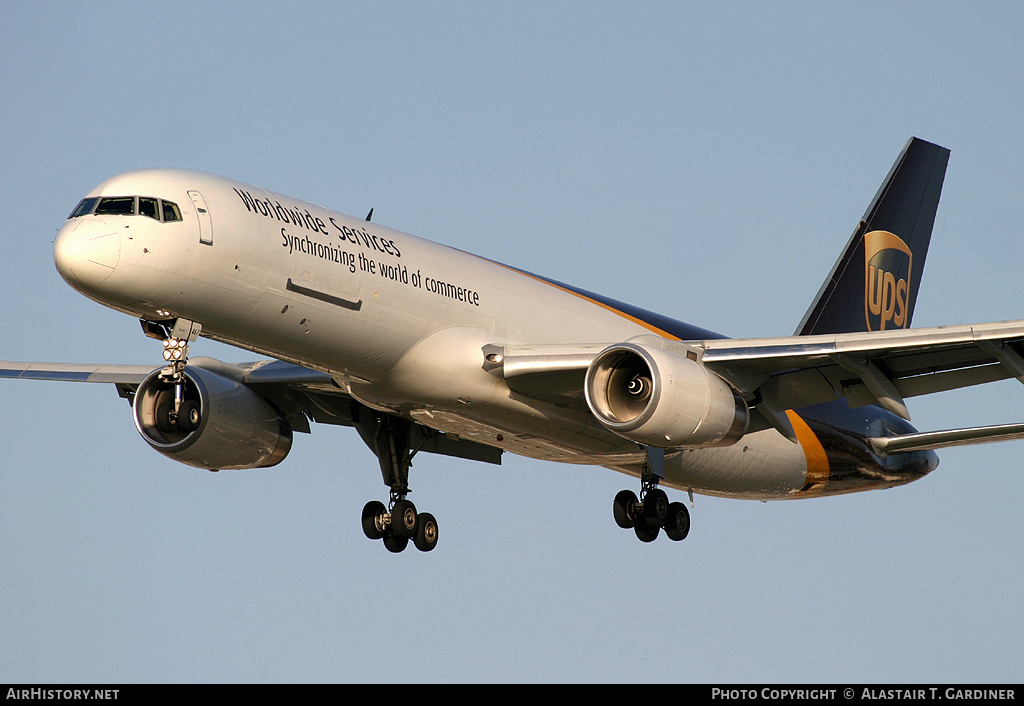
(300, 395)
(71, 372)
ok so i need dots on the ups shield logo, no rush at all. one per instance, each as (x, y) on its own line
(887, 267)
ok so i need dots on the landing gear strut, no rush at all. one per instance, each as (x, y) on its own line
(398, 522)
(652, 511)
(177, 414)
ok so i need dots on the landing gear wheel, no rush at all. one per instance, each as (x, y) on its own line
(677, 524)
(395, 544)
(655, 513)
(403, 519)
(655, 508)
(624, 509)
(426, 532)
(188, 415)
(645, 533)
(165, 422)
(373, 519)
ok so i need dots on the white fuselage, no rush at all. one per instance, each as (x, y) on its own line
(399, 322)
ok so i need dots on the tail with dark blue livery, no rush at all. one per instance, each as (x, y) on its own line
(874, 285)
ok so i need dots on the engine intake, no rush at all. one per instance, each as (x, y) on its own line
(657, 398)
(222, 425)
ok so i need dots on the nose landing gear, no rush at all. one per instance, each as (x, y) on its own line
(177, 414)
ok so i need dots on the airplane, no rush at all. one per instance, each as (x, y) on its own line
(425, 348)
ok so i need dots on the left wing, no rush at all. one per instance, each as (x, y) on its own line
(876, 367)
(776, 374)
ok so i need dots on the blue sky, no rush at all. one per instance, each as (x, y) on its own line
(704, 160)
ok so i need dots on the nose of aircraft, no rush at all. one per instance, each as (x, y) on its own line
(86, 252)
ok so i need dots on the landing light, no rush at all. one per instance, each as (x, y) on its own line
(175, 349)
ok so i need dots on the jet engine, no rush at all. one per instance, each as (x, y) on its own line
(657, 398)
(219, 424)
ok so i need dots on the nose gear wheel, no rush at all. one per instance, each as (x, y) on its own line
(177, 414)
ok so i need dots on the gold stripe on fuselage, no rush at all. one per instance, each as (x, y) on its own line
(814, 452)
(640, 322)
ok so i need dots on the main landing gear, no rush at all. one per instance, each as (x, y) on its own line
(397, 526)
(652, 511)
(388, 437)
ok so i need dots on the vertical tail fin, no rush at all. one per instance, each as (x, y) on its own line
(873, 286)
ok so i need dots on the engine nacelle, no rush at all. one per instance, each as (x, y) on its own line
(231, 427)
(657, 398)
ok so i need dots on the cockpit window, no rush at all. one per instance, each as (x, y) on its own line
(149, 207)
(84, 207)
(128, 206)
(171, 211)
(116, 206)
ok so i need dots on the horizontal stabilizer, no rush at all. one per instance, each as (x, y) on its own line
(923, 441)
